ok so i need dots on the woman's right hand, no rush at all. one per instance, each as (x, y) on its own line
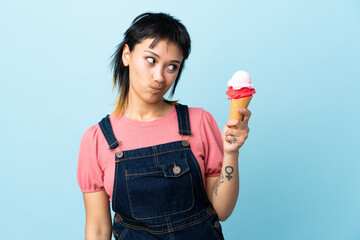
(98, 217)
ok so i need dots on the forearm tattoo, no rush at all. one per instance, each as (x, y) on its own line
(229, 171)
(220, 181)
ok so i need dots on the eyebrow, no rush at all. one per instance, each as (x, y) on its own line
(177, 61)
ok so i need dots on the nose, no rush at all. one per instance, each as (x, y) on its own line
(158, 75)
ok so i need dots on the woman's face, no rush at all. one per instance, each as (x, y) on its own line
(152, 71)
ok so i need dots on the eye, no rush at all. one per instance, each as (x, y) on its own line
(172, 67)
(150, 60)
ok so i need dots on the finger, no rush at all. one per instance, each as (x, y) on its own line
(246, 112)
(232, 132)
(240, 126)
(233, 122)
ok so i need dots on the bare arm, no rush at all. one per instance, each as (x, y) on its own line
(98, 216)
(223, 191)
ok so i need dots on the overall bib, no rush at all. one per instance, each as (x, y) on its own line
(159, 192)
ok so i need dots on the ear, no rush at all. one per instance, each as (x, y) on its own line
(126, 55)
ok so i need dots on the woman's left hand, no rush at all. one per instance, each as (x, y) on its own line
(233, 138)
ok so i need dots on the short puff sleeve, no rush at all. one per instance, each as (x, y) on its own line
(213, 145)
(90, 176)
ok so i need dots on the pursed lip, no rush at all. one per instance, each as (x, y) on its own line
(157, 89)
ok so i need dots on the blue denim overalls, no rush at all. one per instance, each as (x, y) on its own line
(159, 192)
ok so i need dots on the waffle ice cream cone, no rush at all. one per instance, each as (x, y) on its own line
(240, 93)
(235, 104)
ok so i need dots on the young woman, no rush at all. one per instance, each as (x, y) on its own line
(165, 168)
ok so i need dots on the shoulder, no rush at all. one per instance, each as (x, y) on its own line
(200, 114)
(91, 132)
(91, 135)
(193, 111)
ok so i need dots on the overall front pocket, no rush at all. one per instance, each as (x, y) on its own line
(160, 191)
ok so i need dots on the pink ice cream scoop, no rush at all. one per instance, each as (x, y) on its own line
(240, 86)
(240, 93)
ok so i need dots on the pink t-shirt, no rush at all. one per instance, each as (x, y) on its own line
(96, 163)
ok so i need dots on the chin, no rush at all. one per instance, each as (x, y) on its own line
(153, 100)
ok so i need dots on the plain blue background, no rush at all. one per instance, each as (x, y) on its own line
(300, 166)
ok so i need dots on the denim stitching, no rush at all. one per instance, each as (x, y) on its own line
(212, 228)
(177, 107)
(108, 130)
(115, 234)
(167, 230)
(164, 231)
(185, 170)
(111, 133)
(123, 234)
(159, 225)
(182, 149)
(134, 174)
(107, 125)
(187, 119)
(169, 226)
(128, 195)
(183, 109)
(116, 142)
(184, 129)
(165, 214)
(192, 190)
(179, 119)
(102, 127)
(200, 176)
(114, 188)
(156, 156)
(180, 161)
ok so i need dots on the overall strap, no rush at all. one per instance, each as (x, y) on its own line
(107, 130)
(183, 119)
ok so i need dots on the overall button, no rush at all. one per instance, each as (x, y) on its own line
(117, 218)
(119, 154)
(176, 170)
(185, 143)
(217, 224)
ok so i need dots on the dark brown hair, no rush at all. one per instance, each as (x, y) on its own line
(157, 26)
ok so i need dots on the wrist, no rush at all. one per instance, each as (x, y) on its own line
(232, 154)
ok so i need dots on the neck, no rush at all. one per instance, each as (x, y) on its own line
(141, 111)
